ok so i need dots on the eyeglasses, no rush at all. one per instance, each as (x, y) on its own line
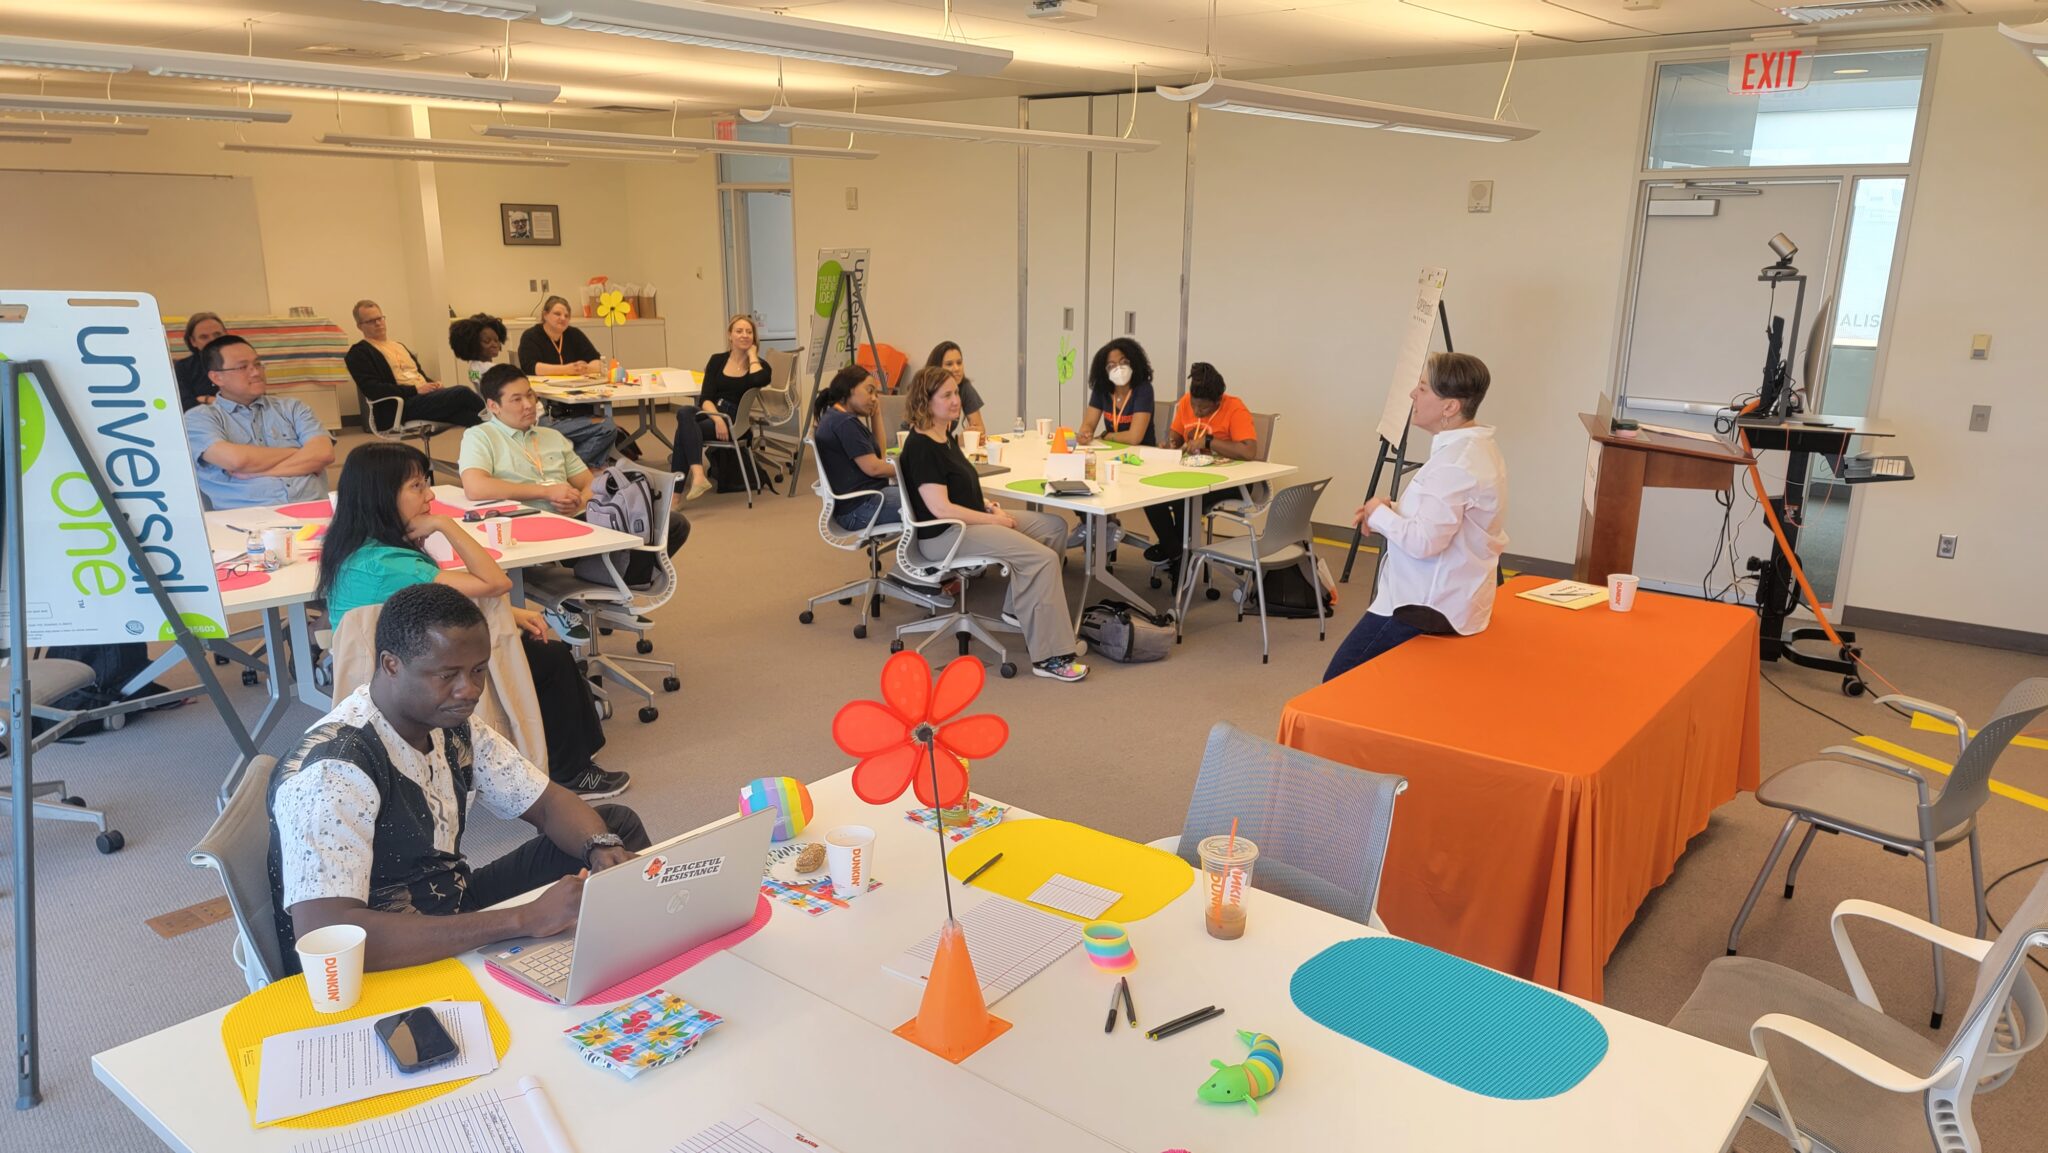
(255, 365)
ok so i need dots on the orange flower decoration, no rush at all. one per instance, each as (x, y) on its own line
(891, 736)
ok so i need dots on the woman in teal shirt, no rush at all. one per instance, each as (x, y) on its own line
(383, 514)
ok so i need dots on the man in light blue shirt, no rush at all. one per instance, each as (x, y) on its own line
(251, 448)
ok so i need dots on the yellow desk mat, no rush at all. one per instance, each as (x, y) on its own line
(283, 1006)
(1034, 849)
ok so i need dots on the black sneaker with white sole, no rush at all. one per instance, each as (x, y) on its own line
(595, 784)
(1064, 668)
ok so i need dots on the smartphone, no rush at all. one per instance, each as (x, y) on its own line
(416, 1039)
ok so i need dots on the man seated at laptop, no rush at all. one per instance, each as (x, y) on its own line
(367, 815)
(512, 456)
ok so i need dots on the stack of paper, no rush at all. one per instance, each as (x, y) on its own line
(307, 1070)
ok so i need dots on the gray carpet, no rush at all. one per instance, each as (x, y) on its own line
(1118, 751)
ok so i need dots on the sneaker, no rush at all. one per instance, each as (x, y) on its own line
(567, 626)
(1061, 669)
(1161, 553)
(595, 784)
(1011, 620)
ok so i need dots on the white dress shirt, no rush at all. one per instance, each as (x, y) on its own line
(1445, 537)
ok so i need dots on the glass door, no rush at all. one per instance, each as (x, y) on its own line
(758, 224)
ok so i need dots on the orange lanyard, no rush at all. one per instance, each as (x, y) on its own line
(558, 350)
(1116, 412)
(533, 454)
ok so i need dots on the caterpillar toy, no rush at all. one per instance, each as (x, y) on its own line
(1257, 1076)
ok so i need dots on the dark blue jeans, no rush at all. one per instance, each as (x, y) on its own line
(1370, 637)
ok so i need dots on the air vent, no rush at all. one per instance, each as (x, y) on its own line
(350, 52)
(1825, 13)
(633, 109)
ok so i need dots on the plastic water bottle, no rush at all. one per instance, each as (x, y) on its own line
(1017, 429)
(252, 550)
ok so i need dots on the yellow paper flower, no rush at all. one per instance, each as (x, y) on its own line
(613, 308)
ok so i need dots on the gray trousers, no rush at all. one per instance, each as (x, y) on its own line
(1037, 594)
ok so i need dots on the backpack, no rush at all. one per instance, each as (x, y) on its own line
(1289, 594)
(1126, 633)
(622, 499)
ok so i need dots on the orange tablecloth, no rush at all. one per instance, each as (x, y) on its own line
(1557, 763)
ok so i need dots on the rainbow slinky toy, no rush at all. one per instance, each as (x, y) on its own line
(1109, 947)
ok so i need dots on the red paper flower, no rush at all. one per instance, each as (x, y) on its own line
(890, 735)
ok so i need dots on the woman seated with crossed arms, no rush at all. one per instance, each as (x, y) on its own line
(940, 484)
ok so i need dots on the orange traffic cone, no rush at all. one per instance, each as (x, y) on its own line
(952, 1020)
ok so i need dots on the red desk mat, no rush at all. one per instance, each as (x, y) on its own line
(229, 583)
(456, 561)
(534, 529)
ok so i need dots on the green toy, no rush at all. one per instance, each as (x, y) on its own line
(1257, 1076)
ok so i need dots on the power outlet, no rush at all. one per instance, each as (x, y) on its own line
(1945, 547)
(533, 285)
(1980, 418)
(543, 284)
(852, 199)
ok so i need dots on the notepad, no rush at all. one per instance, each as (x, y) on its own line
(307, 1070)
(1009, 941)
(753, 1130)
(1077, 897)
(489, 1121)
(1566, 595)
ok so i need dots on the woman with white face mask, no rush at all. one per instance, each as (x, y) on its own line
(1119, 394)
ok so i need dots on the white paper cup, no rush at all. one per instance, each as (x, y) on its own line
(1045, 428)
(437, 546)
(333, 960)
(498, 533)
(1109, 469)
(1621, 591)
(902, 435)
(995, 452)
(850, 856)
(970, 441)
(277, 543)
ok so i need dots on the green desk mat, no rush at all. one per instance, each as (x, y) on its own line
(1184, 479)
(1034, 487)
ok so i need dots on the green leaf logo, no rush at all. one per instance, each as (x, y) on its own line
(828, 287)
(31, 421)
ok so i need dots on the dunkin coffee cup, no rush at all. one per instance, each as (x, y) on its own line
(332, 958)
(850, 857)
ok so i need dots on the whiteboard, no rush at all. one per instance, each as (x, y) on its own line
(1415, 334)
(191, 241)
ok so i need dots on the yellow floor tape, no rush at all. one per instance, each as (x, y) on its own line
(1927, 724)
(1900, 752)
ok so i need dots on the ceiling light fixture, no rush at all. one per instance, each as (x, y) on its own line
(664, 143)
(743, 30)
(1852, 71)
(490, 148)
(1823, 13)
(72, 128)
(495, 11)
(116, 58)
(364, 154)
(2031, 38)
(1220, 95)
(93, 106)
(32, 138)
(785, 116)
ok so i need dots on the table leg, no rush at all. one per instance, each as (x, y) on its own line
(1188, 513)
(302, 659)
(518, 593)
(279, 657)
(650, 420)
(1098, 565)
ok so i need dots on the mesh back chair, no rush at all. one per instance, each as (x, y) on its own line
(1288, 538)
(910, 560)
(238, 848)
(1321, 827)
(779, 423)
(50, 680)
(385, 418)
(742, 443)
(1846, 1078)
(870, 538)
(1877, 799)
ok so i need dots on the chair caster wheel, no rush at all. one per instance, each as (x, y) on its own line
(75, 799)
(1155, 582)
(846, 600)
(643, 646)
(1008, 669)
(1853, 687)
(109, 841)
(1731, 952)
(648, 713)
(671, 684)
(896, 646)
(860, 632)
(805, 617)
(1213, 594)
(248, 678)
(604, 710)
(604, 632)
(219, 660)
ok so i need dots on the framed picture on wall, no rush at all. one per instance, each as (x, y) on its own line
(531, 223)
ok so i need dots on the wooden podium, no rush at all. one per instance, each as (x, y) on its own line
(1628, 465)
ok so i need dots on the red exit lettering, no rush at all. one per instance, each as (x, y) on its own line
(1776, 71)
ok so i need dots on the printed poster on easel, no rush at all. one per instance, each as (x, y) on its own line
(1415, 338)
(828, 339)
(106, 359)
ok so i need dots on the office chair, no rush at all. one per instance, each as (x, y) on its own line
(384, 416)
(965, 625)
(1877, 799)
(51, 680)
(742, 443)
(238, 848)
(1250, 497)
(1288, 538)
(869, 538)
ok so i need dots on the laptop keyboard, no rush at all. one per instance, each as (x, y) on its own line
(547, 964)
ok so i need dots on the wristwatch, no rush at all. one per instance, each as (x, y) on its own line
(600, 841)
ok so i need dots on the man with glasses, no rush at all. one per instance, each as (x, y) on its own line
(252, 448)
(382, 367)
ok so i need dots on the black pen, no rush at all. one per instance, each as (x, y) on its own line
(1130, 1007)
(1163, 1034)
(985, 866)
(1182, 1019)
(1116, 993)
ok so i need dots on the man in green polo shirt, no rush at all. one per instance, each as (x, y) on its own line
(512, 456)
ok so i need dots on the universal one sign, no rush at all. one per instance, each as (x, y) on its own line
(1770, 66)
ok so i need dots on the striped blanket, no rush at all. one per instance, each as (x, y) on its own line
(297, 351)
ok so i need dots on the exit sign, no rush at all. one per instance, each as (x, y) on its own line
(1780, 66)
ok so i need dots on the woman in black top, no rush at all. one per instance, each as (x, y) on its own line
(940, 483)
(554, 347)
(194, 386)
(728, 375)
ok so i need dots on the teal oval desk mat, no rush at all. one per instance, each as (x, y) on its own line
(1461, 1023)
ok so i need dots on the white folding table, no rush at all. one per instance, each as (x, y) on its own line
(654, 386)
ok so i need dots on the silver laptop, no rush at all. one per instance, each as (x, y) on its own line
(672, 898)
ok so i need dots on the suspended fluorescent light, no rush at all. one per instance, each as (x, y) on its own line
(743, 30)
(488, 148)
(499, 10)
(788, 117)
(1222, 95)
(363, 154)
(32, 138)
(72, 127)
(93, 106)
(2032, 39)
(264, 70)
(664, 143)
